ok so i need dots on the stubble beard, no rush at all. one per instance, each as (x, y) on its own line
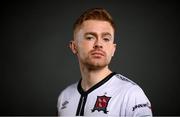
(95, 63)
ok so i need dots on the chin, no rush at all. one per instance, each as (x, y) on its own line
(95, 66)
(95, 63)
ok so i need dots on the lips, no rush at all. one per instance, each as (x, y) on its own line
(98, 53)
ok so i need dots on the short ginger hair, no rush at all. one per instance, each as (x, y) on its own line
(94, 14)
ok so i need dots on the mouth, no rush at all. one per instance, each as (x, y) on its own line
(98, 54)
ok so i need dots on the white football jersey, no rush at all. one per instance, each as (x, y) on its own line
(114, 96)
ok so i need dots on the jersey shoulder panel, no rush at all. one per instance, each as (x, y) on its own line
(132, 88)
(124, 80)
(69, 90)
(67, 93)
(119, 84)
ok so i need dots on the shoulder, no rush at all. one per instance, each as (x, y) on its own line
(121, 82)
(134, 99)
(67, 92)
(124, 80)
(128, 86)
(69, 89)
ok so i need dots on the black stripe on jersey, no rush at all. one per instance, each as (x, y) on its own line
(81, 105)
(84, 94)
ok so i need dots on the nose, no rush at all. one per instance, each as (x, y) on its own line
(97, 45)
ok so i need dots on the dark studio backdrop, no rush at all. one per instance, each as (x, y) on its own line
(37, 64)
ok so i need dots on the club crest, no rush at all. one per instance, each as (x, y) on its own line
(101, 104)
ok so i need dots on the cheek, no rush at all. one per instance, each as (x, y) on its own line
(83, 48)
(110, 51)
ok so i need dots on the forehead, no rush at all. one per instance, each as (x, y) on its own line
(96, 26)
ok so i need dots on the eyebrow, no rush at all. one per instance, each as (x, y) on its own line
(91, 33)
(106, 34)
(95, 34)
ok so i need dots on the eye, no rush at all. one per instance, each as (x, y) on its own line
(89, 37)
(106, 39)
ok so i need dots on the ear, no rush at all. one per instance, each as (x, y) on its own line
(73, 47)
(114, 49)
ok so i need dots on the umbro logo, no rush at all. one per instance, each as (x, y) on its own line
(64, 104)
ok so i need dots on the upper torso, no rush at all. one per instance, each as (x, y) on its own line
(113, 96)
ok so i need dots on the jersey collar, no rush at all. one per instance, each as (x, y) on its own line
(82, 92)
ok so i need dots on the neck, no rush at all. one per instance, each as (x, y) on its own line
(91, 77)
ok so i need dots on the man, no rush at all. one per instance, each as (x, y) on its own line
(100, 92)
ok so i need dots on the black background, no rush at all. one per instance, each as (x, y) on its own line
(37, 65)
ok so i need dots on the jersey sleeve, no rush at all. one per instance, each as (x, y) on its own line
(59, 103)
(137, 103)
